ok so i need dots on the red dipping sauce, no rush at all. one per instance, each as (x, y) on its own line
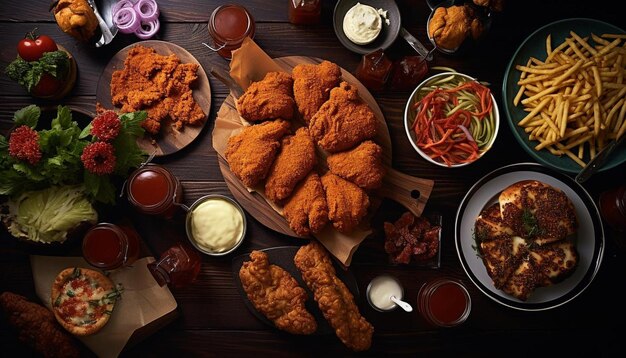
(178, 266)
(229, 25)
(374, 70)
(153, 190)
(444, 303)
(108, 246)
(305, 12)
(613, 207)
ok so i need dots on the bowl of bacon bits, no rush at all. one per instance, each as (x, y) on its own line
(451, 119)
(414, 240)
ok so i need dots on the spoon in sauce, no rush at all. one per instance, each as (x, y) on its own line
(404, 305)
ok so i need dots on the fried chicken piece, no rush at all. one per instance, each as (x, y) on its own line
(270, 98)
(343, 121)
(276, 294)
(37, 327)
(333, 297)
(362, 165)
(306, 210)
(251, 153)
(347, 203)
(312, 85)
(294, 161)
(450, 26)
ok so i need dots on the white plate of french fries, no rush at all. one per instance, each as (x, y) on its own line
(564, 93)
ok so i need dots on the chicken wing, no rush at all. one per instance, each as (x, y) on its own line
(276, 294)
(312, 85)
(343, 121)
(251, 153)
(270, 98)
(333, 297)
(294, 161)
(306, 210)
(362, 165)
(347, 203)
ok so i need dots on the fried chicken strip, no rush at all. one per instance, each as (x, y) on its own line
(312, 85)
(347, 203)
(362, 165)
(306, 210)
(333, 297)
(276, 294)
(37, 327)
(343, 121)
(251, 153)
(270, 98)
(294, 161)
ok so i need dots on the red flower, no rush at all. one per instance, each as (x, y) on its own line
(24, 144)
(99, 158)
(106, 126)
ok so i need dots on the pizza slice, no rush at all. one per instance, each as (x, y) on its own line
(83, 300)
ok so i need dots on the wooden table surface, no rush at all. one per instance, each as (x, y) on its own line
(213, 319)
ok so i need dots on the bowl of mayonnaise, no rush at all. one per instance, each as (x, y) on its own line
(215, 224)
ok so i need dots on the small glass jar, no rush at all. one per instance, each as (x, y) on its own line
(305, 12)
(380, 290)
(613, 207)
(374, 70)
(229, 25)
(178, 266)
(444, 302)
(109, 246)
(153, 190)
(408, 72)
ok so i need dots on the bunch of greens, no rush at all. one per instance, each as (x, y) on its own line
(59, 157)
(28, 73)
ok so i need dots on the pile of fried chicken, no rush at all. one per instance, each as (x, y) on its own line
(277, 295)
(293, 119)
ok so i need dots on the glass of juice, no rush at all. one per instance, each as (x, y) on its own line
(444, 302)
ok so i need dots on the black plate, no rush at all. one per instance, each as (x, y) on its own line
(387, 35)
(283, 256)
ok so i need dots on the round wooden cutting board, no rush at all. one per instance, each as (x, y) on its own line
(170, 139)
(397, 186)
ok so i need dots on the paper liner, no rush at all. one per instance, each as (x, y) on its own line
(143, 300)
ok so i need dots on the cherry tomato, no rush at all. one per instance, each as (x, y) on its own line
(32, 47)
(47, 86)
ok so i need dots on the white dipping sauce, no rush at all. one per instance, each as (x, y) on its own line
(216, 225)
(381, 289)
(362, 24)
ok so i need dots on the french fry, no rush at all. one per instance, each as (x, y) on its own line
(575, 99)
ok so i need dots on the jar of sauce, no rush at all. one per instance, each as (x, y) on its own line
(153, 190)
(178, 266)
(613, 207)
(374, 70)
(444, 303)
(380, 290)
(229, 25)
(109, 246)
(408, 72)
(305, 12)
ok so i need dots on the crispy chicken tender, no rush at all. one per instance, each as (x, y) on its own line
(312, 85)
(76, 18)
(333, 297)
(270, 98)
(161, 85)
(450, 26)
(343, 121)
(294, 161)
(306, 210)
(362, 165)
(276, 294)
(37, 327)
(347, 203)
(251, 153)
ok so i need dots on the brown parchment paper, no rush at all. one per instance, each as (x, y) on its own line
(143, 300)
(249, 64)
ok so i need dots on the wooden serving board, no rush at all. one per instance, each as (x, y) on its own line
(169, 140)
(412, 192)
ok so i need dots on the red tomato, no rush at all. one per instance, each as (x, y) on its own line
(32, 47)
(47, 86)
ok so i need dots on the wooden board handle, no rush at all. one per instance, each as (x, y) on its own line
(412, 192)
